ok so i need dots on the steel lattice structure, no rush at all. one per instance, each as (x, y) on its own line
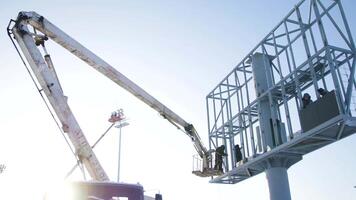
(311, 48)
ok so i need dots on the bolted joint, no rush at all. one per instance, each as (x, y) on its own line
(189, 129)
(83, 153)
(21, 30)
(49, 87)
(65, 128)
(40, 39)
(40, 19)
(22, 16)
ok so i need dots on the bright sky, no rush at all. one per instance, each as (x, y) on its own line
(177, 51)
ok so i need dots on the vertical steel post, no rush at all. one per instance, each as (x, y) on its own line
(252, 139)
(307, 50)
(230, 121)
(119, 158)
(328, 55)
(278, 183)
(267, 106)
(209, 128)
(223, 123)
(299, 93)
(277, 176)
(283, 91)
(238, 88)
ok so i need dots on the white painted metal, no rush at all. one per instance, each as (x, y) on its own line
(267, 107)
(270, 126)
(277, 178)
(53, 91)
(119, 126)
(57, 35)
(296, 57)
(59, 101)
(119, 159)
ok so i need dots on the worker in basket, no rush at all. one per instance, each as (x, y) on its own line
(219, 153)
(306, 100)
(238, 154)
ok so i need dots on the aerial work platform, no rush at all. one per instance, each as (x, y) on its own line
(331, 131)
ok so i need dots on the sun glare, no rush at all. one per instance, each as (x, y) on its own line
(60, 191)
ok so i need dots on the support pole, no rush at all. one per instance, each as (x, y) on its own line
(268, 107)
(120, 121)
(271, 127)
(278, 183)
(119, 159)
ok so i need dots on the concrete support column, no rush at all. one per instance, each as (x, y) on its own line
(278, 183)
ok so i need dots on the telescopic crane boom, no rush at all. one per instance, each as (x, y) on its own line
(42, 68)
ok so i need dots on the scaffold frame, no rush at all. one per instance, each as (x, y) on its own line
(311, 48)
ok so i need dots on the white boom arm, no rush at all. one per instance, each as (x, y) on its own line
(51, 87)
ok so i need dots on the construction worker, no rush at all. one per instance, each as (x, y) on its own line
(306, 100)
(219, 153)
(322, 92)
(238, 154)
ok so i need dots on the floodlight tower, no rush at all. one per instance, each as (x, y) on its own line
(259, 104)
(120, 121)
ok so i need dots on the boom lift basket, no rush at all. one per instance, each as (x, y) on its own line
(205, 171)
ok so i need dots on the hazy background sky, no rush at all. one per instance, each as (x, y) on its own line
(176, 50)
